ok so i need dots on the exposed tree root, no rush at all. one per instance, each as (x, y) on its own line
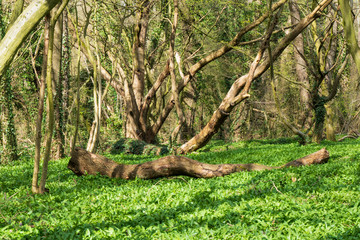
(83, 162)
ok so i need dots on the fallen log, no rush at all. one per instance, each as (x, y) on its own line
(83, 162)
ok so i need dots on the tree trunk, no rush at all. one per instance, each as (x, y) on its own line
(50, 107)
(77, 98)
(135, 128)
(83, 162)
(65, 74)
(330, 131)
(23, 25)
(97, 91)
(38, 134)
(139, 48)
(350, 34)
(320, 113)
(10, 152)
(300, 64)
(174, 84)
(58, 84)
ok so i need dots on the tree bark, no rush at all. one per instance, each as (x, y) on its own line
(65, 74)
(38, 133)
(350, 34)
(58, 84)
(50, 106)
(83, 162)
(97, 92)
(329, 122)
(77, 99)
(174, 84)
(11, 151)
(300, 64)
(134, 129)
(139, 48)
(23, 25)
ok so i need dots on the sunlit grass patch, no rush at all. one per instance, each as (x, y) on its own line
(315, 202)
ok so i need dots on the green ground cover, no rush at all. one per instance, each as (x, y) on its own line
(315, 202)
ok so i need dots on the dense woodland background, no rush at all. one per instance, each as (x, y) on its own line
(178, 73)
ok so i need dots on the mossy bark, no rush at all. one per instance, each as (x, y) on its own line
(18, 32)
(50, 107)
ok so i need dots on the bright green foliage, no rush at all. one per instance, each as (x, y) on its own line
(315, 202)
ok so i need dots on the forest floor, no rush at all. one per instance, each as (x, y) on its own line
(313, 202)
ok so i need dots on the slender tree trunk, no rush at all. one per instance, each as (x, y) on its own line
(11, 153)
(331, 82)
(50, 107)
(350, 34)
(326, 61)
(300, 64)
(77, 101)
(97, 91)
(58, 84)
(38, 135)
(174, 85)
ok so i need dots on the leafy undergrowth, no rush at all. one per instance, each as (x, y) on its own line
(315, 202)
